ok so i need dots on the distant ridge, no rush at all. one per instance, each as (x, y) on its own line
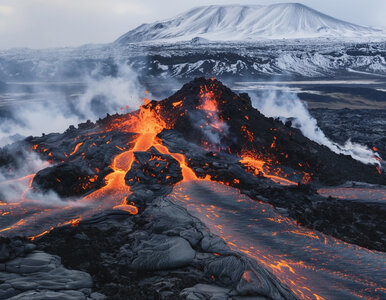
(248, 23)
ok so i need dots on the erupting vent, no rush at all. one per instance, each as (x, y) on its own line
(184, 137)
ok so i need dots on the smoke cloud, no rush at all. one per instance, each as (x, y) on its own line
(53, 110)
(207, 119)
(109, 94)
(15, 183)
(45, 108)
(286, 105)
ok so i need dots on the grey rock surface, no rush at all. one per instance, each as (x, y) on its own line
(162, 252)
(35, 274)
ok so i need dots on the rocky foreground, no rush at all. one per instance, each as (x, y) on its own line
(162, 253)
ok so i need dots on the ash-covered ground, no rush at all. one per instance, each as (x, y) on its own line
(111, 215)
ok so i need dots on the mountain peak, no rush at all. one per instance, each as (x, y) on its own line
(246, 22)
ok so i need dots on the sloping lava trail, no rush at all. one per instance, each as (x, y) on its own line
(82, 175)
(313, 265)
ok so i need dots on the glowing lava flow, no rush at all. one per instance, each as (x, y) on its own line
(17, 201)
(258, 166)
(147, 126)
(76, 148)
(39, 218)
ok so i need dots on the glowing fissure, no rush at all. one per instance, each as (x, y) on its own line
(258, 167)
(76, 148)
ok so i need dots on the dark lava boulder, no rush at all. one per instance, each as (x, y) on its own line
(11, 248)
(153, 168)
(67, 180)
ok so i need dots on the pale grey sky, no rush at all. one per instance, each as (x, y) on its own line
(58, 23)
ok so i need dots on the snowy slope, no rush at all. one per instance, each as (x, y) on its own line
(247, 22)
(295, 58)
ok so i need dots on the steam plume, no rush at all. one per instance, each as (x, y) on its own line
(285, 105)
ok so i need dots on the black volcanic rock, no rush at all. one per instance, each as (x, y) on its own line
(163, 253)
(27, 273)
(65, 179)
(100, 144)
(12, 248)
(152, 167)
(245, 129)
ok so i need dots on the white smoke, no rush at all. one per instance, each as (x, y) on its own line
(214, 130)
(34, 120)
(55, 112)
(285, 105)
(12, 188)
(110, 94)
(46, 109)
(15, 187)
(211, 126)
(31, 212)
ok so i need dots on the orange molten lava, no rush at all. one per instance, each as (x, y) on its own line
(208, 100)
(258, 166)
(76, 148)
(127, 207)
(147, 125)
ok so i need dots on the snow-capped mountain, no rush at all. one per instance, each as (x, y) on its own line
(247, 22)
(223, 41)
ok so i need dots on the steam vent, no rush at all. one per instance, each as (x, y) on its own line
(144, 205)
